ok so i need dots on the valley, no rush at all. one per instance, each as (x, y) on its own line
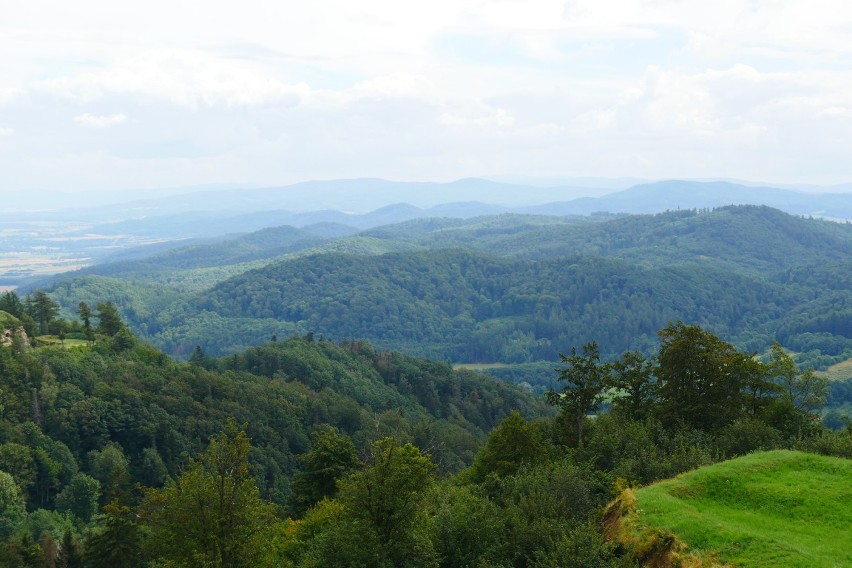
(507, 372)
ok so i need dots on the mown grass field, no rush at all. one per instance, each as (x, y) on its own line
(52, 340)
(778, 509)
(839, 371)
(479, 366)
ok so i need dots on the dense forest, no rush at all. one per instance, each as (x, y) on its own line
(512, 289)
(308, 452)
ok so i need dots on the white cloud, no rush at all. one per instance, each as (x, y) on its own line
(100, 121)
(479, 116)
(8, 95)
(6, 131)
(183, 77)
(268, 92)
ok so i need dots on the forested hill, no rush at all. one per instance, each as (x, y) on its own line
(120, 410)
(505, 288)
(470, 306)
(743, 238)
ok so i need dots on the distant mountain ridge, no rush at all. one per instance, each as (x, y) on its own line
(504, 288)
(647, 198)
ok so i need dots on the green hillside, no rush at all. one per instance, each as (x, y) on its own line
(507, 288)
(470, 306)
(123, 394)
(756, 240)
(778, 509)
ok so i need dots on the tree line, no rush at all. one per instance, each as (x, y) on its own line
(306, 452)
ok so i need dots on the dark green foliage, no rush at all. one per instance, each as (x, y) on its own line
(541, 504)
(582, 547)
(634, 386)
(115, 541)
(534, 285)
(109, 320)
(385, 499)
(378, 519)
(332, 457)
(700, 378)
(642, 452)
(747, 435)
(80, 496)
(511, 445)
(585, 379)
(70, 555)
(43, 311)
(468, 528)
(11, 303)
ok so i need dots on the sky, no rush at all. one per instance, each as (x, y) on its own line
(106, 95)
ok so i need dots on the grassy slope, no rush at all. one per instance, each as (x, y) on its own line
(839, 372)
(779, 509)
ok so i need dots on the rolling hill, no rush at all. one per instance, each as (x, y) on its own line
(506, 288)
(781, 509)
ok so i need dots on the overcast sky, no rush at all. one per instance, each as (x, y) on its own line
(99, 94)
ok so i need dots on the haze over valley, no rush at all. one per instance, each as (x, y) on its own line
(470, 283)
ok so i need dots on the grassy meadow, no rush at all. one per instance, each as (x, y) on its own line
(778, 509)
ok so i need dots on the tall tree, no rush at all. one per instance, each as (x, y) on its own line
(799, 394)
(85, 313)
(511, 445)
(11, 304)
(11, 505)
(109, 320)
(212, 514)
(585, 379)
(116, 543)
(700, 378)
(384, 503)
(635, 389)
(44, 311)
(331, 457)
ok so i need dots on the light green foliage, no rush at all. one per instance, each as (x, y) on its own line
(8, 321)
(803, 391)
(41, 521)
(212, 514)
(378, 519)
(11, 505)
(778, 509)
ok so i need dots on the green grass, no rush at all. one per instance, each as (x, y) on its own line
(839, 372)
(778, 509)
(479, 366)
(52, 340)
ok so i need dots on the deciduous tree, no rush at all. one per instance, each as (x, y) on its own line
(585, 379)
(212, 514)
